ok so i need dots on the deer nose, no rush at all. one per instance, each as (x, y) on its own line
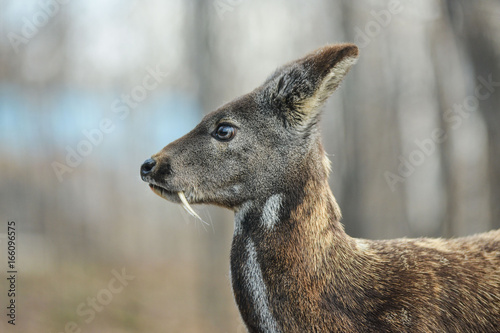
(147, 168)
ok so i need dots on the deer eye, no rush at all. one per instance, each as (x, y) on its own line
(224, 132)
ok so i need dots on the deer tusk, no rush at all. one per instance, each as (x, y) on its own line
(188, 208)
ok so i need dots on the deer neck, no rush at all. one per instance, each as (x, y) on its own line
(300, 229)
(291, 245)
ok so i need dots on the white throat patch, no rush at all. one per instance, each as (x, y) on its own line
(240, 216)
(270, 213)
(258, 291)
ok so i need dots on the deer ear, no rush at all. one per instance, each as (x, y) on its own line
(297, 90)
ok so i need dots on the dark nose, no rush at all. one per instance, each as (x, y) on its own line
(147, 167)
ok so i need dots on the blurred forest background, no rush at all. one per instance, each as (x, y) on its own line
(90, 89)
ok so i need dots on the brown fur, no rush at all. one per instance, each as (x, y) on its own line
(293, 268)
(341, 284)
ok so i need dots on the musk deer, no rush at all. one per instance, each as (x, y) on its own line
(293, 268)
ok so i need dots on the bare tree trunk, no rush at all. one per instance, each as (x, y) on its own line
(473, 23)
(213, 246)
(449, 173)
(372, 137)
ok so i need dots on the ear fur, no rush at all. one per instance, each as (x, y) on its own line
(297, 90)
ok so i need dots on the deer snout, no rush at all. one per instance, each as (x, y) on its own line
(157, 167)
(157, 171)
(147, 168)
